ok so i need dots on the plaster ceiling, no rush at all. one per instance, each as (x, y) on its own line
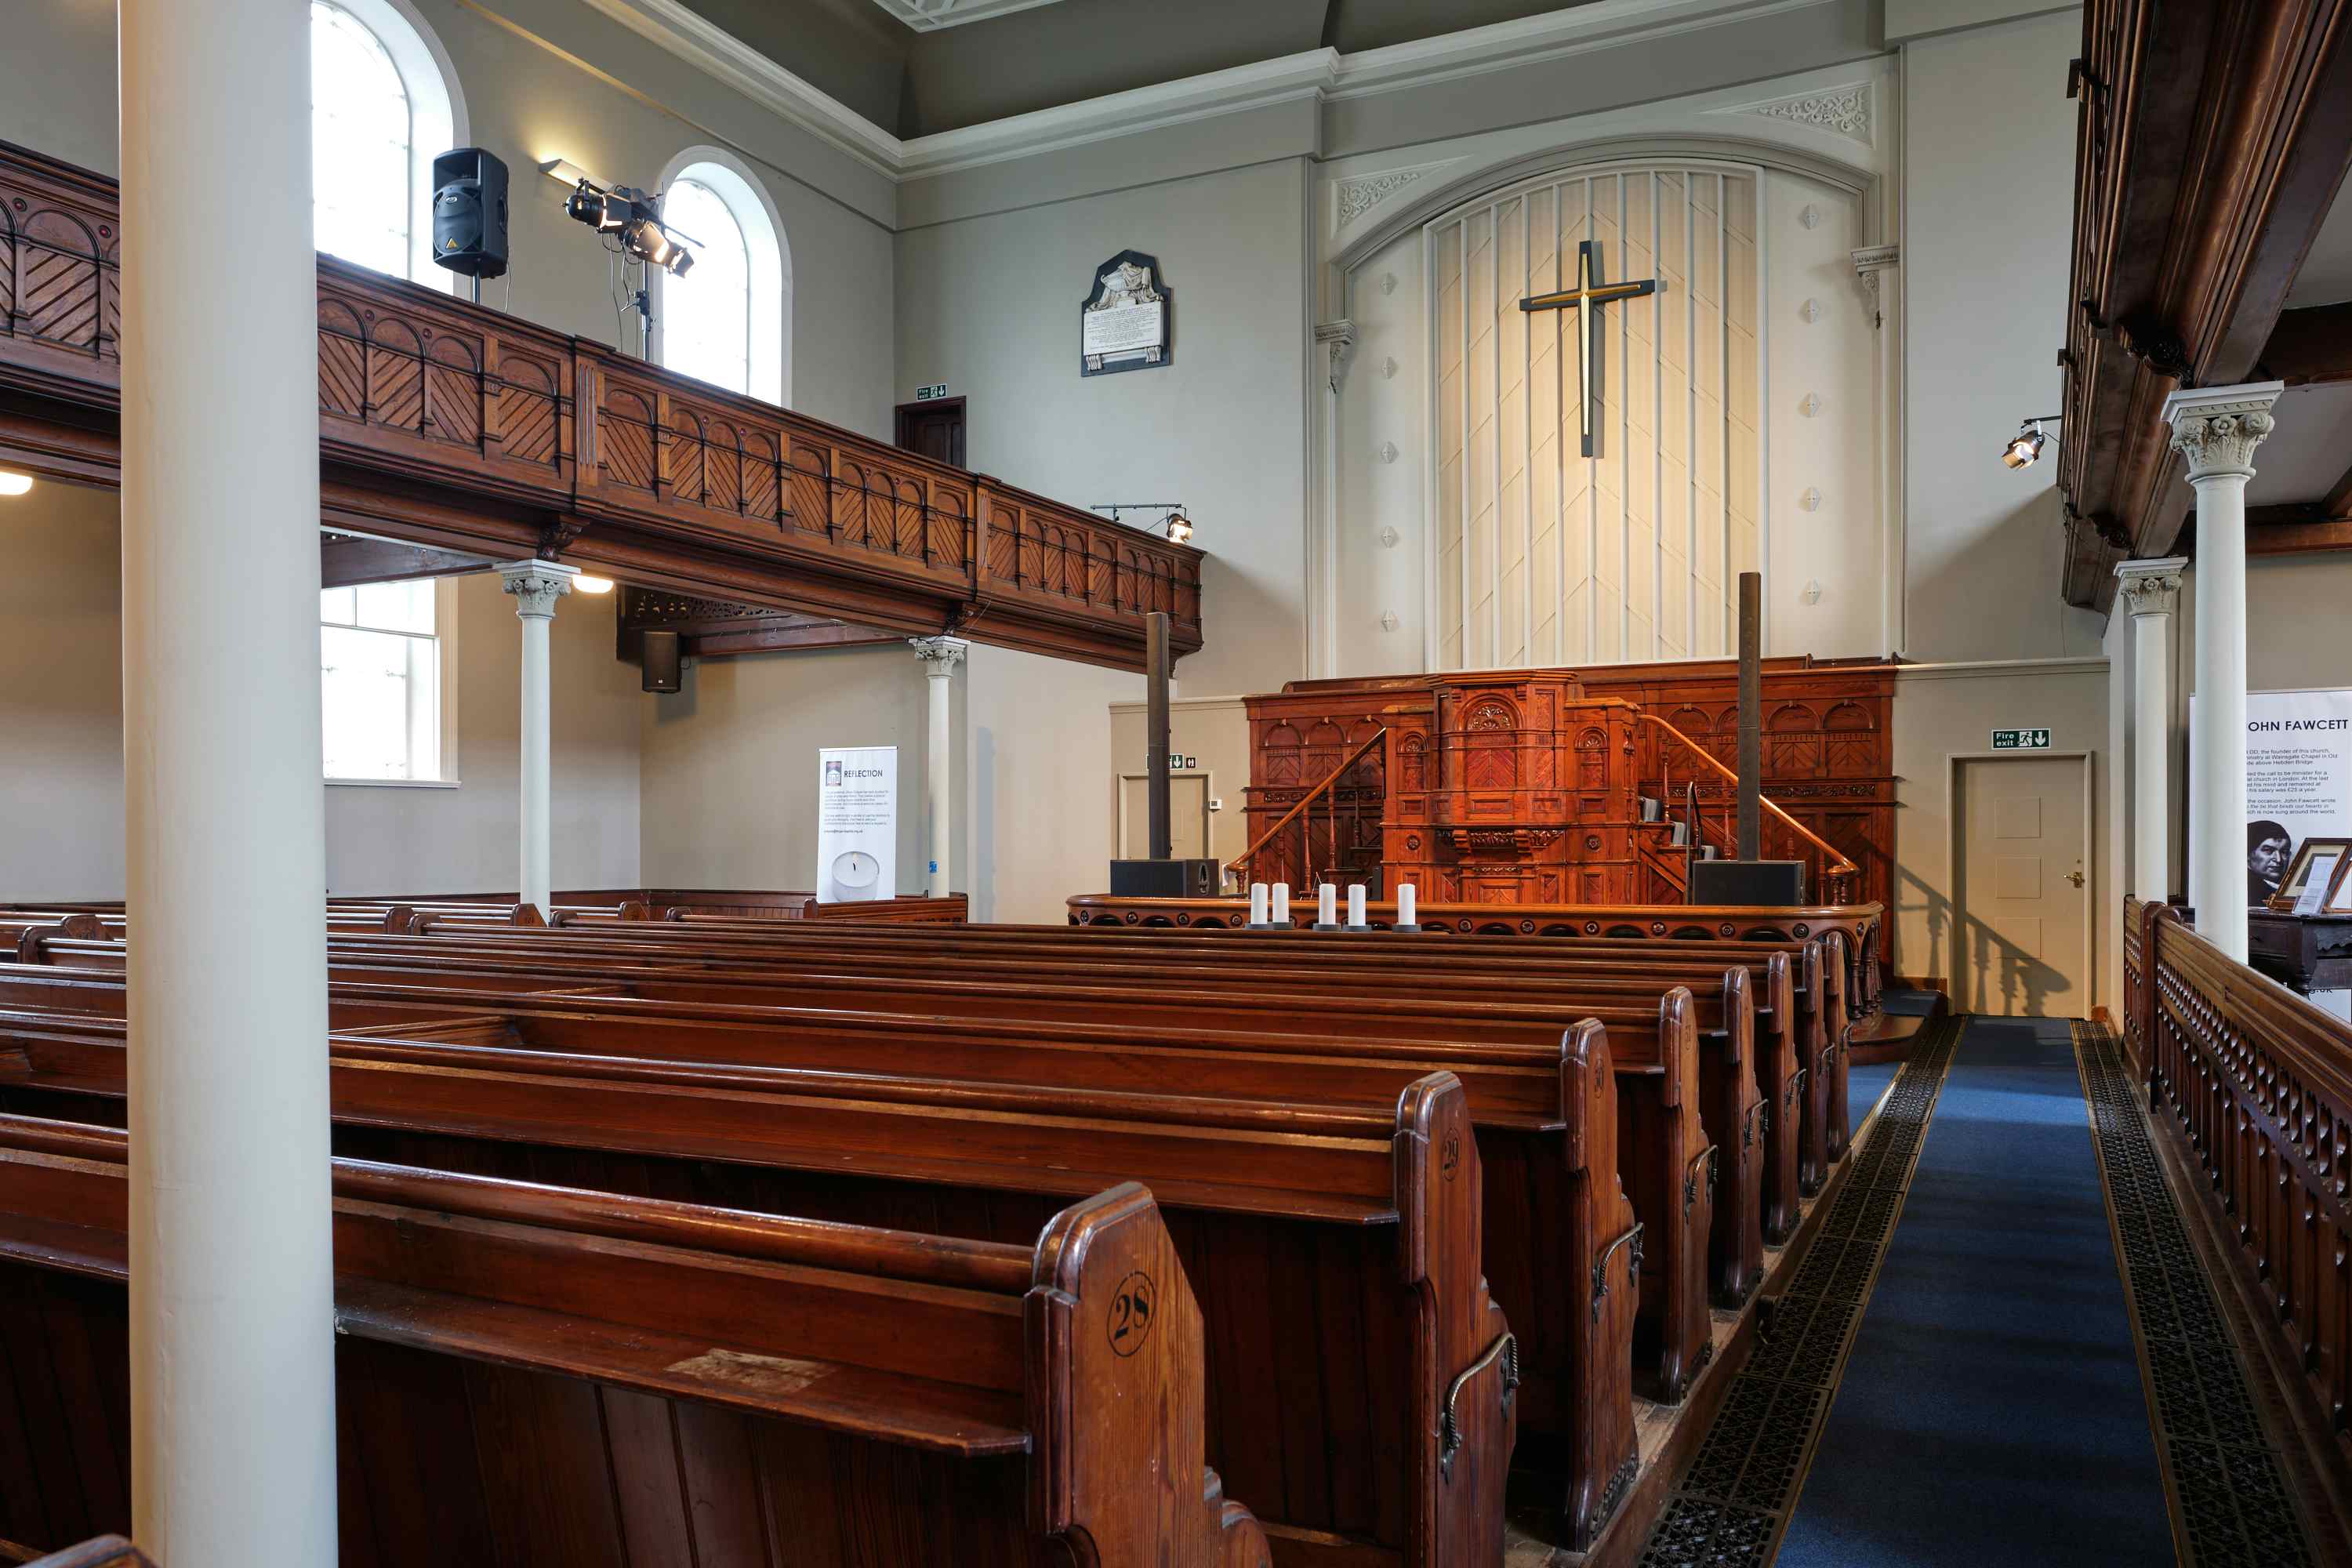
(916, 66)
(2308, 454)
(2326, 275)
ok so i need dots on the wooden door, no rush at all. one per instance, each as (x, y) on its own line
(1188, 815)
(934, 428)
(2020, 930)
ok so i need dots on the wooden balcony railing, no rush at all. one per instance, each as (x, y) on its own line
(2254, 1086)
(452, 426)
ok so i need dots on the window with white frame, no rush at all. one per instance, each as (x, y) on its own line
(727, 320)
(380, 660)
(709, 332)
(381, 110)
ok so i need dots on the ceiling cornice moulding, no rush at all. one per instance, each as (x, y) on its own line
(931, 16)
(1317, 74)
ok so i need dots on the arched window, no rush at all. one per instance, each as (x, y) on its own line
(728, 320)
(382, 110)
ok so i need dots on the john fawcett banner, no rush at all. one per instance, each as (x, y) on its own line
(2298, 778)
(856, 824)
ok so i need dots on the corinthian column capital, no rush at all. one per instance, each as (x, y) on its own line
(2217, 428)
(536, 586)
(2151, 587)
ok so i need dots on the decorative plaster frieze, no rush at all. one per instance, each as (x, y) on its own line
(1352, 198)
(1844, 111)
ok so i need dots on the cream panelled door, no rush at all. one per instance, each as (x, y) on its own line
(2020, 926)
(1538, 554)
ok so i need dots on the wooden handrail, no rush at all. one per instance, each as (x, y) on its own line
(1329, 781)
(1839, 865)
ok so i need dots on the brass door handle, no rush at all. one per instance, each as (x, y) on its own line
(2075, 877)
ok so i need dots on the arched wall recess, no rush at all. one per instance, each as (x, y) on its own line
(1675, 600)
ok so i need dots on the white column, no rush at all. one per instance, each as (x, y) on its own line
(536, 586)
(2151, 591)
(2217, 429)
(939, 656)
(232, 1286)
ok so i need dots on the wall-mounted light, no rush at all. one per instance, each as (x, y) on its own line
(584, 584)
(2024, 449)
(13, 483)
(563, 171)
(1176, 525)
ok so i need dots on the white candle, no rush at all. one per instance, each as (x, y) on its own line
(1281, 916)
(1257, 903)
(1327, 905)
(1404, 903)
(1355, 906)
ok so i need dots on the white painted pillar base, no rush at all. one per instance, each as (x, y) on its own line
(2151, 591)
(939, 656)
(2217, 429)
(536, 586)
(231, 1285)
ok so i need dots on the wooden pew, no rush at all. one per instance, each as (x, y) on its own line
(1820, 1124)
(1701, 1123)
(533, 1376)
(1340, 1418)
(1670, 1165)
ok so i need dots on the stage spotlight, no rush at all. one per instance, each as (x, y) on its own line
(1179, 527)
(2023, 449)
(13, 483)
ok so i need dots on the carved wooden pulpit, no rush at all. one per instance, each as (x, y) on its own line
(1514, 787)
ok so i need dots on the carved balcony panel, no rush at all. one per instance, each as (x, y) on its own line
(61, 295)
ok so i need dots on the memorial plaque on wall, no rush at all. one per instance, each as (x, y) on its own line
(1129, 322)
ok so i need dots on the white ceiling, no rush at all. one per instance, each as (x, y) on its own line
(2308, 454)
(930, 15)
(2326, 275)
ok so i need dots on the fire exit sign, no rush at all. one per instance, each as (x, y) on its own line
(2021, 740)
(925, 394)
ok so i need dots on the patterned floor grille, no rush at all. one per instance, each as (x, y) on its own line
(2229, 1490)
(1730, 1509)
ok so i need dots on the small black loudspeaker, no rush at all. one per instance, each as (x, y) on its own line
(1165, 878)
(470, 212)
(1778, 883)
(661, 661)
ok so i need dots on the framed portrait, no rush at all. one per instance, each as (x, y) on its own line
(2339, 897)
(2323, 856)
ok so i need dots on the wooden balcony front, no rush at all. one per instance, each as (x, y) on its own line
(450, 426)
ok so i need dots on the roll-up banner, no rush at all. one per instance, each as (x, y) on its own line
(856, 824)
(2298, 778)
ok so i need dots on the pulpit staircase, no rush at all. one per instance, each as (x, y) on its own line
(1288, 851)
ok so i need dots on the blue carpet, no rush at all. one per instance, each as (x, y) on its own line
(1991, 1411)
(1865, 1082)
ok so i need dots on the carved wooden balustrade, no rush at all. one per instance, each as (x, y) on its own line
(452, 426)
(2257, 1083)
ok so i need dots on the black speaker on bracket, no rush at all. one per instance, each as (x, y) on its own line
(661, 663)
(470, 212)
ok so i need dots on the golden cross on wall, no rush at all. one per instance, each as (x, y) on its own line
(1586, 300)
